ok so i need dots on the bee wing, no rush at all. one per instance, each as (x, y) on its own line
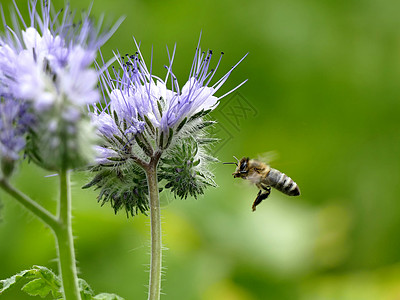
(268, 157)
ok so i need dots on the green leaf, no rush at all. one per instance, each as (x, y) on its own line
(85, 290)
(5, 284)
(105, 296)
(37, 287)
(42, 281)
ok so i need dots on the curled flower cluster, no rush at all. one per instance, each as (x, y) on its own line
(45, 70)
(141, 119)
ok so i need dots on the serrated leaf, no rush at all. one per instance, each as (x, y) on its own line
(85, 290)
(5, 284)
(42, 282)
(37, 287)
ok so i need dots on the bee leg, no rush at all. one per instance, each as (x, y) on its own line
(261, 196)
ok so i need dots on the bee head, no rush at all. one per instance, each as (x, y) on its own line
(242, 169)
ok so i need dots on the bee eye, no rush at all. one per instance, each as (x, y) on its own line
(243, 166)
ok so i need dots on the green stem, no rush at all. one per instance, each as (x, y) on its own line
(29, 204)
(65, 241)
(61, 227)
(155, 221)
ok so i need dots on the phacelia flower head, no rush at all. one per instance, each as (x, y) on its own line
(14, 123)
(143, 117)
(46, 64)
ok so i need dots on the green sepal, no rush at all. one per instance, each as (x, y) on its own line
(119, 139)
(159, 107)
(115, 117)
(199, 114)
(205, 141)
(205, 124)
(200, 126)
(181, 124)
(7, 166)
(152, 129)
(124, 126)
(98, 178)
(116, 158)
(146, 148)
(170, 135)
(161, 140)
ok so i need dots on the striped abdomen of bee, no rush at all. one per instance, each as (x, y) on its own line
(281, 182)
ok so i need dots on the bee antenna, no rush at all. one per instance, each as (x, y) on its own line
(236, 158)
(230, 163)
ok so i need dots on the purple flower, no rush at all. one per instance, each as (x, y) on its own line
(46, 65)
(140, 110)
(143, 121)
(14, 122)
(49, 65)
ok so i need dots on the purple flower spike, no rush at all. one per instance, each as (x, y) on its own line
(141, 121)
(46, 65)
(141, 105)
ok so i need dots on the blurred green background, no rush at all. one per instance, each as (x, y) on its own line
(323, 92)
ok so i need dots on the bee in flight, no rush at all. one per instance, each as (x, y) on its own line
(264, 177)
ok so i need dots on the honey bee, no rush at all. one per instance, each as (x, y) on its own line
(264, 177)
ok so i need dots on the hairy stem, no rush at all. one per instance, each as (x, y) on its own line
(61, 227)
(65, 241)
(29, 204)
(155, 221)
